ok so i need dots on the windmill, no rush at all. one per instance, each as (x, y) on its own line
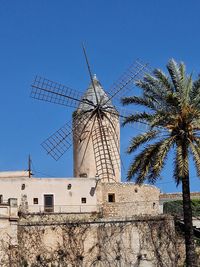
(95, 128)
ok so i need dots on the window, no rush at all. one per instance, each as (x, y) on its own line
(1, 198)
(83, 175)
(136, 190)
(111, 197)
(69, 186)
(35, 200)
(48, 203)
(23, 187)
(83, 200)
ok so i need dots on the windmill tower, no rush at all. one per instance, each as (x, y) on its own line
(96, 149)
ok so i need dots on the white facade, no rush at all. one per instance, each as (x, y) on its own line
(67, 194)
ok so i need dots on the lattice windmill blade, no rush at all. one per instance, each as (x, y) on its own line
(113, 126)
(105, 151)
(126, 82)
(60, 141)
(87, 136)
(112, 118)
(104, 166)
(50, 91)
(116, 159)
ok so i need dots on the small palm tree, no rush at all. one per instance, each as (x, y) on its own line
(172, 111)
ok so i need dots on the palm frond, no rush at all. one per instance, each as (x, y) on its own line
(141, 163)
(149, 89)
(141, 139)
(139, 101)
(195, 92)
(158, 94)
(160, 158)
(164, 80)
(138, 117)
(144, 167)
(186, 91)
(160, 119)
(175, 74)
(196, 156)
(182, 70)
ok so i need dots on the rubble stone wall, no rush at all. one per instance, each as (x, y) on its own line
(143, 241)
(128, 199)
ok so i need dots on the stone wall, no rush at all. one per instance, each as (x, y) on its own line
(176, 196)
(128, 199)
(142, 241)
(8, 231)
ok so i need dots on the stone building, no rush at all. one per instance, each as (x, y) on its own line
(92, 219)
(82, 222)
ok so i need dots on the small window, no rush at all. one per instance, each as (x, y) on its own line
(1, 198)
(83, 175)
(23, 186)
(69, 186)
(35, 200)
(111, 197)
(136, 190)
(83, 200)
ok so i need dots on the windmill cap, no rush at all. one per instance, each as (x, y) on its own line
(90, 95)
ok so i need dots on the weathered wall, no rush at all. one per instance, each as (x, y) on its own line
(138, 242)
(8, 230)
(130, 199)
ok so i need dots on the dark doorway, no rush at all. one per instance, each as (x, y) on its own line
(48, 203)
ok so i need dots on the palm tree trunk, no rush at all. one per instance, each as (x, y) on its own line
(187, 212)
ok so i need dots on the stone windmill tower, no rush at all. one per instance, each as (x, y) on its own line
(96, 139)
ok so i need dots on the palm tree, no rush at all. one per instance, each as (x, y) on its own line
(172, 112)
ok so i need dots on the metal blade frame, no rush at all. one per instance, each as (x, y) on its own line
(134, 73)
(49, 91)
(60, 141)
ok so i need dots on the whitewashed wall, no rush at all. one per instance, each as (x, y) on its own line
(25, 189)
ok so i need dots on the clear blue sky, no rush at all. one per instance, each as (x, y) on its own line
(44, 37)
